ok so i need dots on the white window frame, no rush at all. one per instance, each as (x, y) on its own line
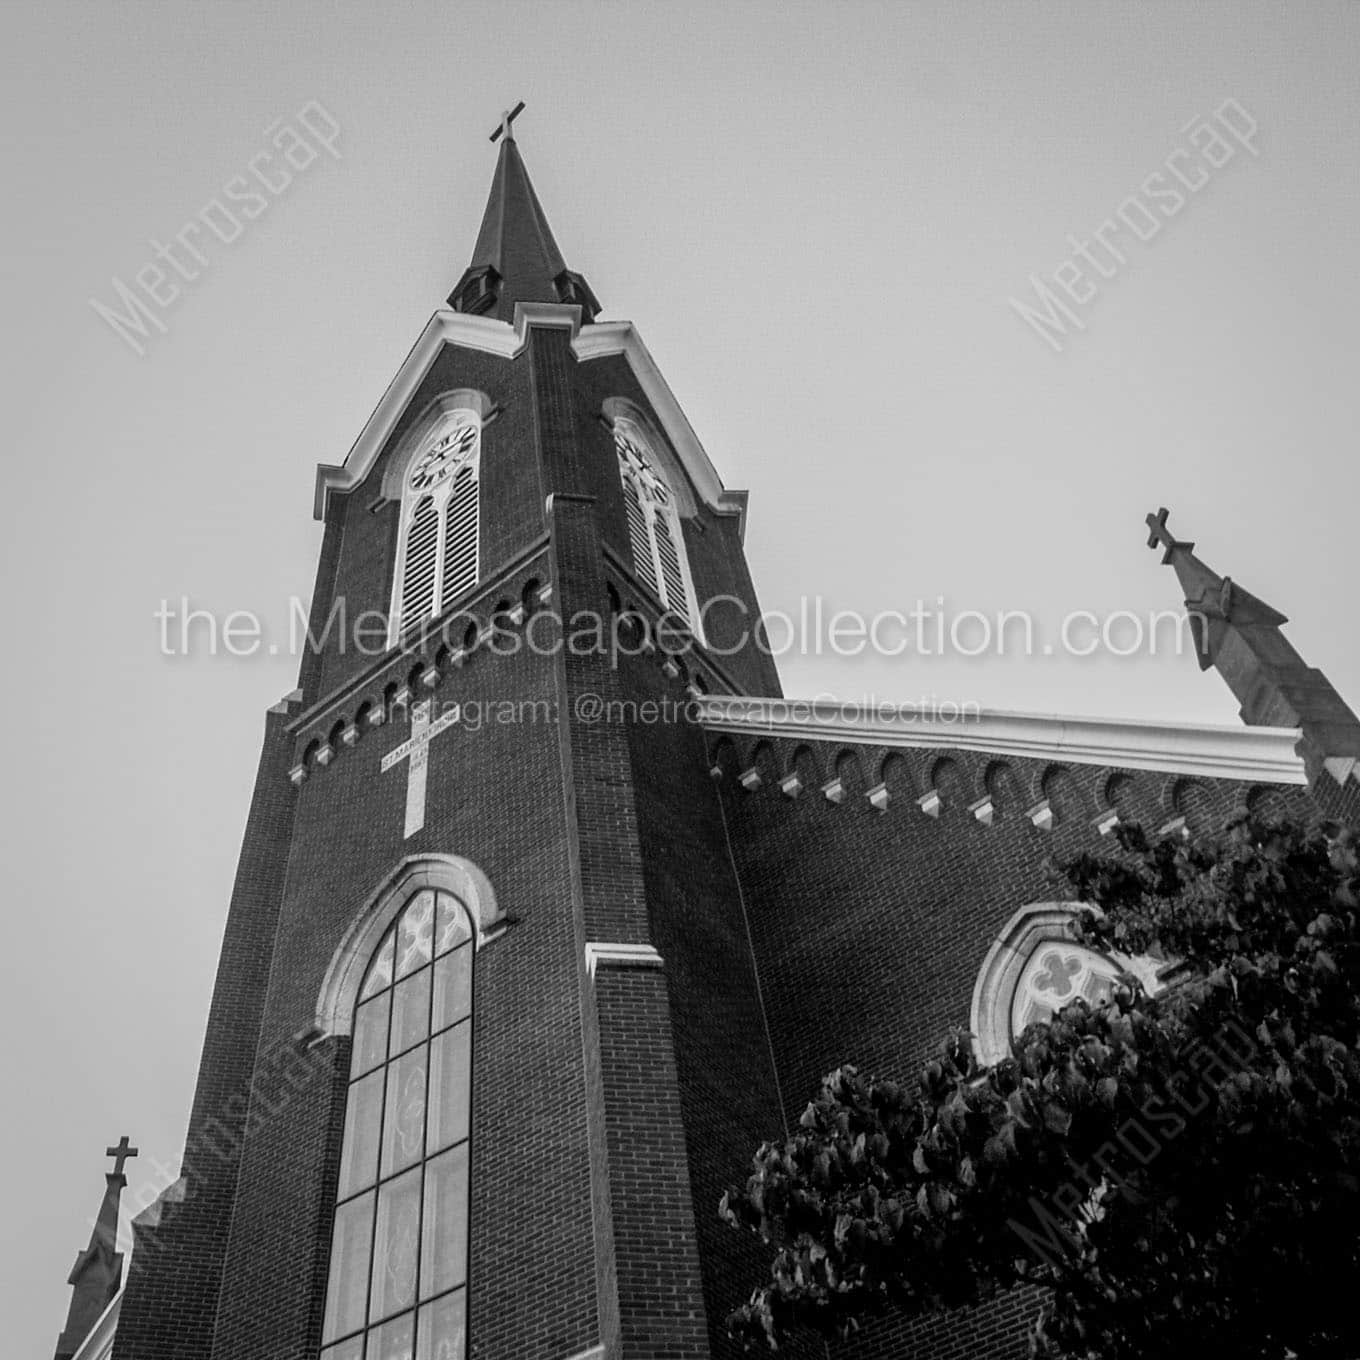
(410, 1053)
(640, 474)
(1004, 967)
(465, 466)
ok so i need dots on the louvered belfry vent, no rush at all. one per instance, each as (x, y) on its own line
(439, 545)
(422, 551)
(655, 535)
(460, 534)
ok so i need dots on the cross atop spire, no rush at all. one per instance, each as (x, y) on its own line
(1240, 636)
(97, 1275)
(505, 130)
(122, 1154)
(1159, 534)
(516, 259)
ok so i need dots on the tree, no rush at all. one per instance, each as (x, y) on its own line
(1179, 1172)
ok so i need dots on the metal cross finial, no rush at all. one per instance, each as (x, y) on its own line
(121, 1154)
(506, 119)
(1159, 534)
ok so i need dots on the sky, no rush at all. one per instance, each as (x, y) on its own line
(819, 215)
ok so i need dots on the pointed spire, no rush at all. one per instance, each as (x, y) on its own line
(1239, 635)
(516, 258)
(97, 1275)
(1213, 601)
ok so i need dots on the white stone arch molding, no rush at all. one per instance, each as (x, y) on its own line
(671, 468)
(425, 428)
(439, 523)
(345, 973)
(989, 1018)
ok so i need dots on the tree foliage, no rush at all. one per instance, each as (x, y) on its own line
(1179, 1171)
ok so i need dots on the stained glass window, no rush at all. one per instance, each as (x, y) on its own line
(398, 1270)
(654, 531)
(1057, 972)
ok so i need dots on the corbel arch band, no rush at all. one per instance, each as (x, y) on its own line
(345, 973)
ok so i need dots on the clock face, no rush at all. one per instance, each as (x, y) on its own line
(628, 448)
(438, 463)
(643, 474)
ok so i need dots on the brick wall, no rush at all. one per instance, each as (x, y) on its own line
(870, 927)
(176, 1268)
(582, 1210)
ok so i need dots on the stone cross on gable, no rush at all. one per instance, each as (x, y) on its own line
(506, 119)
(417, 748)
(122, 1154)
(1160, 535)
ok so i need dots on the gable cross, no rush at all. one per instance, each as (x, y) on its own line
(122, 1154)
(507, 118)
(1160, 535)
(417, 748)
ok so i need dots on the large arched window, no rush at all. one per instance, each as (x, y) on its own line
(438, 542)
(398, 1269)
(1034, 968)
(654, 531)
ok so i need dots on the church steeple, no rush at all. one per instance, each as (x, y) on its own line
(97, 1275)
(516, 258)
(1239, 635)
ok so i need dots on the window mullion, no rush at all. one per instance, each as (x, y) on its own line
(689, 606)
(441, 547)
(653, 543)
(408, 510)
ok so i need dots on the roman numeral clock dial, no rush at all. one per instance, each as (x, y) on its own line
(439, 463)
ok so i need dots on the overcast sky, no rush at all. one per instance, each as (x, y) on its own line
(817, 214)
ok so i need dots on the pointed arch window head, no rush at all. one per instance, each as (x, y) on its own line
(438, 543)
(1035, 967)
(399, 1252)
(655, 535)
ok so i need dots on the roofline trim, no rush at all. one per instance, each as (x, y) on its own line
(490, 336)
(98, 1342)
(1254, 754)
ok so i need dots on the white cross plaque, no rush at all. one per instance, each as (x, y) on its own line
(417, 746)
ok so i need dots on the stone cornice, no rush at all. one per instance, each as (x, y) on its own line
(1253, 754)
(621, 956)
(621, 337)
(507, 341)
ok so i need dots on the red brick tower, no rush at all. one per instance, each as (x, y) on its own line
(485, 1028)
